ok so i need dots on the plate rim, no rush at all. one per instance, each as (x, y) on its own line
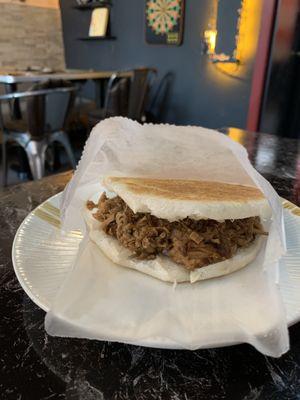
(21, 281)
(45, 307)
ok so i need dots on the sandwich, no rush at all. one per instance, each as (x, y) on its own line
(178, 230)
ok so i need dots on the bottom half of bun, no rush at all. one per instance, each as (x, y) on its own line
(163, 268)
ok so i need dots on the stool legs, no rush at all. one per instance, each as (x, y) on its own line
(35, 151)
(62, 138)
(4, 162)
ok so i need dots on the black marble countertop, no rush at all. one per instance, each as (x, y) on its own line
(34, 365)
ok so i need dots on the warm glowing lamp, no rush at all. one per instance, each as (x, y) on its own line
(210, 37)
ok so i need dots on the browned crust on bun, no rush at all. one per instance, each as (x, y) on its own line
(193, 190)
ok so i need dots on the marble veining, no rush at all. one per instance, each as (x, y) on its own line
(34, 365)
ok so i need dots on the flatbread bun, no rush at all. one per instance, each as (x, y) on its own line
(163, 268)
(177, 199)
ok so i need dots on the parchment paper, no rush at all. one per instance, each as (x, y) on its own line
(100, 300)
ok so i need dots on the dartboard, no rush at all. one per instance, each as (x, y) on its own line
(162, 15)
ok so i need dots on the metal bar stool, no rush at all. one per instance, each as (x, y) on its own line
(47, 113)
(125, 96)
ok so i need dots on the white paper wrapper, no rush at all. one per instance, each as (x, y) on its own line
(100, 300)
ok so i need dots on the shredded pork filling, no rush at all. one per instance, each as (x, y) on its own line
(188, 242)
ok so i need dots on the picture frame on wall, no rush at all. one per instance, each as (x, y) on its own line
(99, 22)
(164, 21)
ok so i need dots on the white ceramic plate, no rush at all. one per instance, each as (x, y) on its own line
(41, 260)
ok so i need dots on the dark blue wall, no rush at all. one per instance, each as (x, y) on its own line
(200, 94)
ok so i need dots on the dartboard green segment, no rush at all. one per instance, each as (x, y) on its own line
(162, 15)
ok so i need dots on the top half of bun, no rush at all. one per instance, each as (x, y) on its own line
(175, 199)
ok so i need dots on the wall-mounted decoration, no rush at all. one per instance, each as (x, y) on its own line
(221, 41)
(92, 2)
(164, 21)
(99, 22)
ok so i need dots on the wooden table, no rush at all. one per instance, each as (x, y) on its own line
(11, 78)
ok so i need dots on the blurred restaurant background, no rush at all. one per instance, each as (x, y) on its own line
(230, 65)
